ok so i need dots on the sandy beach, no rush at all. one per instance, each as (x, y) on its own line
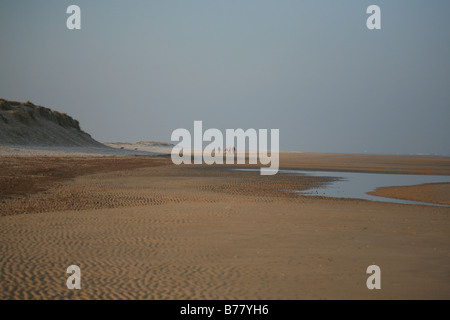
(127, 133)
(143, 228)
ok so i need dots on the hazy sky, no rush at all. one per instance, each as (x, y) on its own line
(137, 70)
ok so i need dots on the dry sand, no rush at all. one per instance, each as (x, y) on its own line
(158, 231)
(432, 192)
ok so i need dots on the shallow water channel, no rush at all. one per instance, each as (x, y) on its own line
(355, 185)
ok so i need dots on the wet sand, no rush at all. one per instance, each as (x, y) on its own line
(26, 175)
(430, 165)
(159, 231)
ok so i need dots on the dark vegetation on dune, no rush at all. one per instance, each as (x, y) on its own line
(24, 123)
(27, 112)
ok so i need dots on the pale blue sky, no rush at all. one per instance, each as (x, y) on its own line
(140, 69)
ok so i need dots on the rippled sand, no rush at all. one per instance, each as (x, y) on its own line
(158, 231)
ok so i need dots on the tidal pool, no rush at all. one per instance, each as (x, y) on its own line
(355, 185)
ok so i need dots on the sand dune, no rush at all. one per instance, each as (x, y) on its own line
(30, 130)
(25, 124)
(143, 146)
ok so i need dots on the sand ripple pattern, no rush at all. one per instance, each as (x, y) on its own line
(192, 232)
(137, 254)
(156, 186)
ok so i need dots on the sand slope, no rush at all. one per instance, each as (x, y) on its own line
(25, 124)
